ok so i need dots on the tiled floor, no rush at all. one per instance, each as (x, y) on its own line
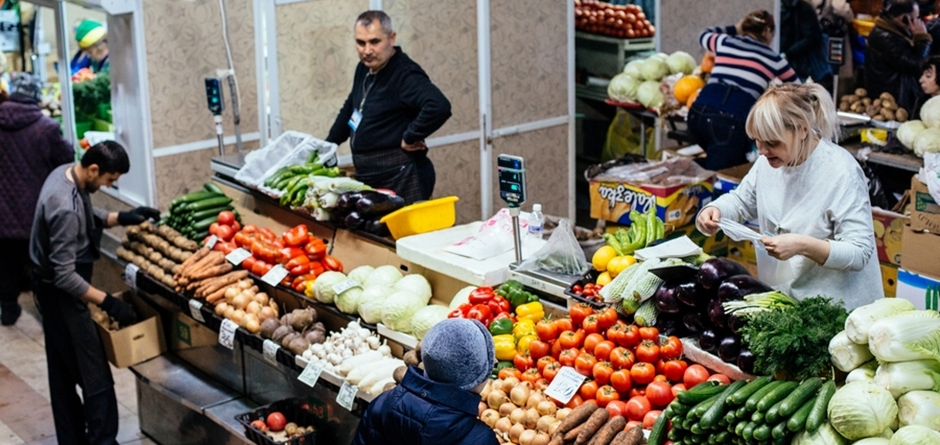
(25, 414)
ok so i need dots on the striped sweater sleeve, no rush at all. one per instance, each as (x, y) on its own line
(709, 39)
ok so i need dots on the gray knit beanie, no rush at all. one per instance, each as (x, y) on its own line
(458, 351)
(28, 85)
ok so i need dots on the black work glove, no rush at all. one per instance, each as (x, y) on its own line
(120, 311)
(137, 216)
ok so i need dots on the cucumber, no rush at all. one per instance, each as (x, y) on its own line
(730, 417)
(204, 204)
(741, 412)
(739, 428)
(675, 434)
(748, 432)
(700, 393)
(780, 431)
(773, 414)
(797, 422)
(740, 396)
(680, 409)
(723, 437)
(762, 433)
(751, 403)
(203, 224)
(697, 429)
(212, 187)
(697, 412)
(192, 197)
(713, 415)
(203, 214)
(818, 414)
(776, 395)
(757, 417)
(658, 433)
(796, 398)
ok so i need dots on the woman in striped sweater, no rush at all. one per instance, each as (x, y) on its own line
(744, 67)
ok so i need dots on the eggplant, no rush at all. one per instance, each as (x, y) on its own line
(729, 348)
(712, 272)
(746, 361)
(716, 313)
(347, 201)
(666, 300)
(708, 340)
(338, 217)
(376, 227)
(688, 294)
(373, 204)
(693, 323)
(739, 286)
(670, 324)
(354, 220)
(736, 323)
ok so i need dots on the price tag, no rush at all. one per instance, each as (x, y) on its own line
(237, 256)
(347, 395)
(565, 385)
(311, 373)
(269, 349)
(210, 243)
(194, 310)
(130, 275)
(344, 286)
(275, 275)
(227, 333)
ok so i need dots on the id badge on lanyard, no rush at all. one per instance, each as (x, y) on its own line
(355, 119)
(357, 113)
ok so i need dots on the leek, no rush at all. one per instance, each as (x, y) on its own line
(913, 335)
(865, 372)
(759, 302)
(903, 377)
(920, 408)
(861, 319)
(847, 355)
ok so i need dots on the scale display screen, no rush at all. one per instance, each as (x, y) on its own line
(214, 95)
(511, 170)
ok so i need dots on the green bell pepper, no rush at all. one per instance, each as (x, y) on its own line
(501, 327)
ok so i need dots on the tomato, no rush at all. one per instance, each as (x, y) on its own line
(259, 425)
(615, 332)
(677, 388)
(265, 268)
(659, 394)
(617, 408)
(588, 390)
(556, 348)
(249, 263)
(637, 407)
(674, 370)
(637, 391)
(541, 363)
(571, 339)
(660, 378)
(523, 361)
(236, 226)
(575, 402)
(541, 384)
(720, 378)
(267, 235)
(568, 357)
(584, 364)
(630, 337)
(579, 312)
(642, 373)
(276, 421)
(621, 381)
(650, 418)
(602, 372)
(550, 371)
(531, 375)
(213, 228)
(225, 233)
(622, 358)
(564, 324)
(250, 228)
(648, 333)
(242, 239)
(546, 330)
(510, 372)
(258, 268)
(671, 349)
(591, 325)
(603, 349)
(694, 375)
(226, 217)
(607, 317)
(591, 341)
(605, 395)
(647, 352)
(539, 349)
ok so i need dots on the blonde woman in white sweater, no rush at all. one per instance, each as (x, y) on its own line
(809, 195)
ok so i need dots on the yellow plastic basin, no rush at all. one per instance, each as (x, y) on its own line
(422, 217)
(863, 27)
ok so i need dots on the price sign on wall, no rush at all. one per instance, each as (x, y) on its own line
(9, 31)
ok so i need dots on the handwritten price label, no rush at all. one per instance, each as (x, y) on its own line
(344, 286)
(227, 333)
(269, 349)
(130, 275)
(195, 307)
(347, 395)
(311, 373)
(275, 275)
(565, 385)
(238, 256)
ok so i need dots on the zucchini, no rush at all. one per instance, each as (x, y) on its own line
(762, 433)
(776, 395)
(780, 430)
(751, 403)
(713, 414)
(697, 412)
(818, 414)
(740, 396)
(212, 187)
(795, 400)
(700, 393)
(204, 204)
(748, 432)
(797, 422)
(658, 433)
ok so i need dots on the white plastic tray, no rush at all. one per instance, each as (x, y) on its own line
(695, 354)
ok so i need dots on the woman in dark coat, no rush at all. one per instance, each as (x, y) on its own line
(897, 47)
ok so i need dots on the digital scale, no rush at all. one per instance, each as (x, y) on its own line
(216, 104)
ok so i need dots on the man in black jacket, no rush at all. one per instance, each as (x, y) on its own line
(392, 108)
(897, 47)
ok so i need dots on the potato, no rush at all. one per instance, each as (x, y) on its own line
(876, 102)
(888, 114)
(889, 105)
(861, 92)
(866, 101)
(900, 115)
(858, 107)
(851, 99)
(887, 96)
(845, 106)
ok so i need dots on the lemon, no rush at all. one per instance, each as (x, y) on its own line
(602, 257)
(603, 279)
(619, 264)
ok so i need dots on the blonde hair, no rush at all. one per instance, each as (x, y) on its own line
(784, 110)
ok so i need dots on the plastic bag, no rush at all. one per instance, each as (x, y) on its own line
(930, 174)
(621, 140)
(291, 147)
(737, 231)
(495, 237)
(562, 254)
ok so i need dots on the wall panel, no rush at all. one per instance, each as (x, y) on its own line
(457, 167)
(183, 173)
(547, 172)
(682, 21)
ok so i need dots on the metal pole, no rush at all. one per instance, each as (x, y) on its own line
(218, 134)
(835, 85)
(517, 237)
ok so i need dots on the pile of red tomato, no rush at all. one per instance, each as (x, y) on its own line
(630, 370)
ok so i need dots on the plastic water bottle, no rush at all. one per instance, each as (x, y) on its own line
(536, 221)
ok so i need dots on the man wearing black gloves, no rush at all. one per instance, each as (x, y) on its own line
(392, 108)
(65, 239)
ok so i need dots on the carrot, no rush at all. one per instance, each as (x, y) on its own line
(200, 254)
(217, 295)
(633, 436)
(608, 431)
(226, 280)
(212, 259)
(573, 434)
(593, 424)
(214, 271)
(577, 416)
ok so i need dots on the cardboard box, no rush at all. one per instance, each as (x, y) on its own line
(889, 227)
(925, 212)
(922, 290)
(742, 252)
(729, 178)
(190, 333)
(919, 252)
(677, 205)
(716, 245)
(889, 279)
(135, 343)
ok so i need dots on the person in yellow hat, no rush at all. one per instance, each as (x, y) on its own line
(93, 48)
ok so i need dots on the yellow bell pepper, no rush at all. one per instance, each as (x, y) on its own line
(523, 328)
(523, 345)
(530, 311)
(309, 290)
(505, 346)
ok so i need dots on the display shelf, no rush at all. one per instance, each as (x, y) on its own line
(908, 161)
(335, 380)
(597, 93)
(184, 384)
(635, 44)
(406, 340)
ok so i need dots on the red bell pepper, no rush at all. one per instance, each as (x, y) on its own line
(481, 295)
(296, 261)
(267, 234)
(498, 305)
(296, 236)
(287, 254)
(481, 313)
(331, 263)
(461, 311)
(300, 282)
(286, 281)
(303, 269)
(315, 249)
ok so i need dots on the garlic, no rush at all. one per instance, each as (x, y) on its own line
(385, 350)
(308, 355)
(347, 353)
(353, 325)
(373, 342)
(334, 359)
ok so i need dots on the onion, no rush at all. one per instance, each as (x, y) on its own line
(230, 293)
(220, 309)
(553, 428)
(240, 301)
(507, 408)
(503, 424)
(486, 389)
(541, 439)
(229, 311)
(266, 313)
(545, 422)
(245, 284)
(527, 437)
(562, 413)
(520, 394)
(237, 316)
(253, 308)
(509, 384)
(534, 399)
(496, 398)
(251, 323)
(546, 408)
(517, 416)
(490, 417)
(261, 297)
(531, 418)
(515, 431)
